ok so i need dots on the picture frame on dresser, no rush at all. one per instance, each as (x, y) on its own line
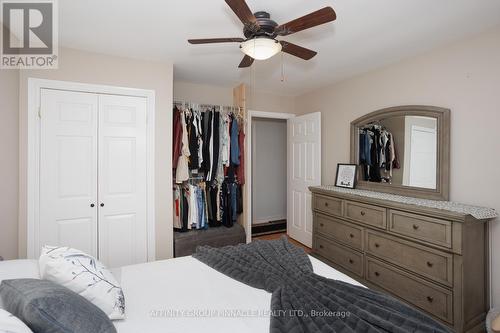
(346, 175)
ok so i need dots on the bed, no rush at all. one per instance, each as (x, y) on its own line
(153, 290)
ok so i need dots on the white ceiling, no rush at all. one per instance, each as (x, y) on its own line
(366, 35)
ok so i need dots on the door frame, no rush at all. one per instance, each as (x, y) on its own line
(248, 158)
(33, 159)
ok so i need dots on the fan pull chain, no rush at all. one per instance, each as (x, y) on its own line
(253, 69)
(282, 67)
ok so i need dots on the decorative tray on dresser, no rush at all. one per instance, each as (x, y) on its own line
(431, 254)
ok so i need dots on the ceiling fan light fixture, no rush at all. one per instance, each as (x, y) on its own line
(261, 48)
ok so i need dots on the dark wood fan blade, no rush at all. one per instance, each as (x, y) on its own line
(316, 18)
(241, 9)
(215, 40)
(297, 51)
(246, 62)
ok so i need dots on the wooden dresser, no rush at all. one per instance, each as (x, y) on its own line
(434, 259)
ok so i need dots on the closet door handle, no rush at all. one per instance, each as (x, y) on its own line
(377, 274)
(92, 205)
(102, 205)
(430, 264)
(415, 227)
(363, 213)
(430, 299)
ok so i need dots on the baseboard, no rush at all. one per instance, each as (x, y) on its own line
(269, 219)
(269, 228)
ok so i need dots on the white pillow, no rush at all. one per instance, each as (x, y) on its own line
(18, 269)
(11, 324)
(84, 275)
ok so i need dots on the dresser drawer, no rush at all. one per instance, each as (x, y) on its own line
(431, 298)
(434, 264)
(368, 214)
(328, 205)
(348, 259)
(428, 229)
(342, 232)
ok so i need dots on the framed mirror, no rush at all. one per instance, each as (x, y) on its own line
(403, 150)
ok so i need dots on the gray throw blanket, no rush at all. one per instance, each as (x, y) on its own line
(305, 302)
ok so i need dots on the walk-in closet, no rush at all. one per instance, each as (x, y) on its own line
(209, 174)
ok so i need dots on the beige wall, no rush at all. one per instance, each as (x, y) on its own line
(79, 66)
(464, 77)
(9, 166)
(219, 95)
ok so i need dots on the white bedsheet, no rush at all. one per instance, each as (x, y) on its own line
(155, 291)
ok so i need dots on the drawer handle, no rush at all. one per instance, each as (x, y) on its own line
(351, 261)
(415, 227)
(363, 213)
(321, 225)
(377, 245)
(321, 246)
(430, 264)
(326, 204)
(351, 235)
(430, 299)
(377, 274)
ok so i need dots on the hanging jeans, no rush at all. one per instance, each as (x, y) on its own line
(202, 218)
(234, 201)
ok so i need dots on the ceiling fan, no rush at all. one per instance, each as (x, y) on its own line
(261, 32)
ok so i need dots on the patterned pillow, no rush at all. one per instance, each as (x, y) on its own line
(84, 275)
(11, 324)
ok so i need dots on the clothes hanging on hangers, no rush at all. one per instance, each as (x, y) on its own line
(210, 166)
(194, 134)
(190, 207)
(207, 133)
(182, 172)
(240, 169)
(225, 142)
(177, 137)
(214, 165)
(235, 151)
(377, 153)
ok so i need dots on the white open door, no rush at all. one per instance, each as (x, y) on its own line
(304, 170)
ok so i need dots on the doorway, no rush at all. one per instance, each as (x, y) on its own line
(267, 149)
(269, 184)
(302, 160)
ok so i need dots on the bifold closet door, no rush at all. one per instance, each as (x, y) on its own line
(68, 170)
(122, 182)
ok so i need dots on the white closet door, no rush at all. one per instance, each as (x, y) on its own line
(68, 171)
(122, 180)
(304, 170)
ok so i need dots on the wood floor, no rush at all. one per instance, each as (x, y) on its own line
(278, 235)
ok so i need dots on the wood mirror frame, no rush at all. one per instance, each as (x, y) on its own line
(443, 151)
